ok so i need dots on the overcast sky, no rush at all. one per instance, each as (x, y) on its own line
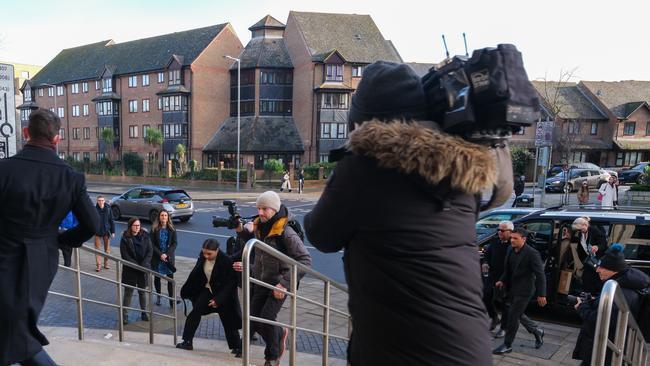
(600, 40)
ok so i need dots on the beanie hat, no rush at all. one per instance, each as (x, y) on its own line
(269, 199)
(614, 260)
(387, 91)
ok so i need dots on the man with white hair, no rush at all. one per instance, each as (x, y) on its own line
(493, 259)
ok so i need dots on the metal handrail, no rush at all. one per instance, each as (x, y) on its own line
(629, 346)
(118, 281)
(292, 293)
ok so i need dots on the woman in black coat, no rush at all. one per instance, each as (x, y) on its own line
(212, 288)
(592, 244)
(163, 240)
(135, 247)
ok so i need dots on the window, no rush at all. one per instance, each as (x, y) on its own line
(275, 106)
(84, 87)
(333, 72)
(174, 130)
(145, 80)
(75, 133)
(628, 158)
(75, 111)
(333, 130)
(87, 157)
(28, 95)
(334, 101)
(100, 156)
(59, 90)
(161, 77)
(521, 131)
(357, 71)
(24, 114)
(594, 128)
(144, 130)
(86, 133)
(647, 128)
(159, 103)
(97, 85)
(145, 105)
(50, 91)
(133, 131)
(573, 127)
(275, 77)
(76, 156)
(74, 88)
(24, 74)
(133, 106)
(62, 133)
(104, 108)
(133, 81)
(40, 92)
(85, 110)
(174, 77)
(174, 103)
(324, 158)
(628, 128)
(61, 112)
(107, 85)
(62, 155)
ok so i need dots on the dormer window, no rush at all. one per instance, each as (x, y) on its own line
(174, 77)
(107, 85)
(27, 94)
(333, 72)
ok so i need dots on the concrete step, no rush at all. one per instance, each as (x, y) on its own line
(101, 347)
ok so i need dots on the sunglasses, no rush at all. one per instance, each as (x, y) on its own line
(503, 231)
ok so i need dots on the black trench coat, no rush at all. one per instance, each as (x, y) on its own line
(37, 190)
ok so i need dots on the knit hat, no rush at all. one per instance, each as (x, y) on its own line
(614, 260)
(387, 91)
(269, 199)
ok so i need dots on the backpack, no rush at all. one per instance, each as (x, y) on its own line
(295, 225)
(643, 316)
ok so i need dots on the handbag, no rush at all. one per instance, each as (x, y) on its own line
(600, 196)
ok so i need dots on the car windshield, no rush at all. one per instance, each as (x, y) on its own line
(176, 195)
(574, 174)
(639, 166)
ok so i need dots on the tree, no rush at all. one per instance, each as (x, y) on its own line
(180, 150)
(109, 138)
(153, 138)
(520, 158)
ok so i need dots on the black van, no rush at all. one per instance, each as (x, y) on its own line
(627, 226)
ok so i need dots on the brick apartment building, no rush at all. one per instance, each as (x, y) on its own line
(296, 85)
(176, 82)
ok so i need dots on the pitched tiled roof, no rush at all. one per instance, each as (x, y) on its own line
(356, 37)
(420, 68)
(570, 101)
(148, 54)
(267, 22)
(257, 134)
(616, 95)
(265, 52)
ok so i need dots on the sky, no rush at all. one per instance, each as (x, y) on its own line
(576, 39)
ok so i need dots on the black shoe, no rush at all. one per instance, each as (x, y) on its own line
(500, 334)
(144, 317)
(494, 323)
(186, 345)
(158, 300)
(502, 349)
(539, 338)
(237, 352)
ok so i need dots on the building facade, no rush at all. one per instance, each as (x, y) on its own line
(22, 73)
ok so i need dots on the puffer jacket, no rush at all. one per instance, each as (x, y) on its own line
(403, 204)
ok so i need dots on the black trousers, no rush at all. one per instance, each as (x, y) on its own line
(170, 287)
(516, 308)
(264, 305)
(228, 313)
(493, 303)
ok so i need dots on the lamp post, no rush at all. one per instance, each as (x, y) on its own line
(238, 109)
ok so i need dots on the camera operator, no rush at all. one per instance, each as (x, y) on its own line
(591, 246)
(271, 227)
(611, 266)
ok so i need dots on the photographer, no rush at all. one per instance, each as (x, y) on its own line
(271, 227)
(611, 266)
(402, 202)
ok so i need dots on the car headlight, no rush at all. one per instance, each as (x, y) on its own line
(556, 182)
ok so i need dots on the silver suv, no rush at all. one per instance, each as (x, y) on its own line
(147, 201)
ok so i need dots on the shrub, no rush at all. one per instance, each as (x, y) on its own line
(133, 162)
(273, 167)
(520, 158)
(311, 170)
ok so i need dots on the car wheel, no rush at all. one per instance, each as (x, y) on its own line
(153, 215)
(639, 179)
(185, 218)
(116, 212)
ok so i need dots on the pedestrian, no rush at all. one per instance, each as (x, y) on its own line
(631, 280)
(518, 186)
(609, 193)
(401, 203)
(212, 288)
(105, 233)
(286, 182)
(616, 185)
(301, 180)
(68, 223)
(164, 242)
(494, 257)
(522, 278)
(592, 244)
(271, 227)
(37, 190)
(583, 194)
(135, 247)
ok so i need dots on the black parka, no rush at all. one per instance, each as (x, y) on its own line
(171, 248)
(132, 276)
(37, 190)
(403, 207)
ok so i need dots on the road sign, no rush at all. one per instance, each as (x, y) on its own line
(544, 133)
(7, 112)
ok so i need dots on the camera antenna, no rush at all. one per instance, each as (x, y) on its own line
(465, 40)
(444, 42)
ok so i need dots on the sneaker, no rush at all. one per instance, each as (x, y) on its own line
(144, 317)
(186, 345)
(283, 343)
(502, 349)
(539, 338)
(500, 334)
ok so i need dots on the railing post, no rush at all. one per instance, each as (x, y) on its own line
(619, 339)
(120, 316)
(150, 306)
(175, 320)
(246, 306)
(326, 323)
(80, 317)
(294, 313)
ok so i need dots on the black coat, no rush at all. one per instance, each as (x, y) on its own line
(595, 237)
(631, 280)
(171, 248)
(106, 223)
(527, 278)
(519, 186)
(223, 283)
(37, 190)
(404, 213)
(495, 255)
(132, 276)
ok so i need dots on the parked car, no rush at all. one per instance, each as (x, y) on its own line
(488, 221)
(146, 202)
(629, 227)
(594, 178)
(632, 175)
(557, 168)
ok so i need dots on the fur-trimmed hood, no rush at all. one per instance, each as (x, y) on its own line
(412, 148)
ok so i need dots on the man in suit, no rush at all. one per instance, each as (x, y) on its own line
(37, 190)
(523, 277)
(494, 258)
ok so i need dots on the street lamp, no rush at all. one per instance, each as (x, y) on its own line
(238, 109)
